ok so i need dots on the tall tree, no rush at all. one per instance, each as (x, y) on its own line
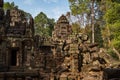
(79, 8)
(51, 23)
(92, 20)
(43, 25)
(86, 11)
(112, 18)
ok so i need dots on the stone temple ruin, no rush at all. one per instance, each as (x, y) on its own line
(65, 56)
(62, 29)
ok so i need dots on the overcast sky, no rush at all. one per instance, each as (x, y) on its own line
(52, 8)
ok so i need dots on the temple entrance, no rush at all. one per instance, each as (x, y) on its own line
(14, 57)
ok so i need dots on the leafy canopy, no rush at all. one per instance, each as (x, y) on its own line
(112, 18)
(43, 25)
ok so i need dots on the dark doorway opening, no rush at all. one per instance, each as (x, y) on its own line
(14, 57)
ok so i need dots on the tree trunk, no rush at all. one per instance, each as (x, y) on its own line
(108, 31)
(92, 22)
(117, 53)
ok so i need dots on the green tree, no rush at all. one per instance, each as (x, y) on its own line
(88, 13)
(112, 18)
(51, 23)
(43, 25)
(79, 8)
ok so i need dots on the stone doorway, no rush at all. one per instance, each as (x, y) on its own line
(13, 58)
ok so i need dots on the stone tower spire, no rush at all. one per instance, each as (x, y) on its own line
(62, 29)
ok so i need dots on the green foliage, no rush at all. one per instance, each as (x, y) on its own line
(41, 19)
(79, 6)
(76, 28)
(51, 23)
(112, 14)
(84, 9)
(112, 18)
(98, 35)
(43, 25)
(115, 33)
(117, 1)
(105, 36)
(8, 5)
(106, 21)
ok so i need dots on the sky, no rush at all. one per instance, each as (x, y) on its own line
(52, 8)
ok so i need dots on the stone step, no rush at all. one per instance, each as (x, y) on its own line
(3, 68)
(16, 69)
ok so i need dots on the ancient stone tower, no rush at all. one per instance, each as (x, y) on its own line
(62, 29)
(16, 44)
